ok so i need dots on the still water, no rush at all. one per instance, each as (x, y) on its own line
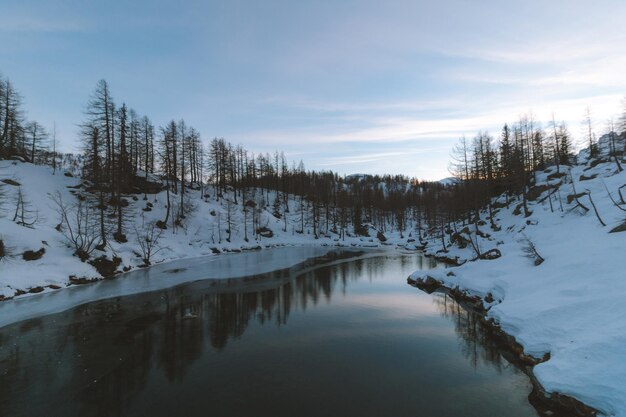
(348, 338)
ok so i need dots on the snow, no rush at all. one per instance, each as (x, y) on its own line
(199, 236)
(448, 181)
(573, 304)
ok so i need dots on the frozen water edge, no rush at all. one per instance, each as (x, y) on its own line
(161, 276)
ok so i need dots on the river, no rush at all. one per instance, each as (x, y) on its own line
(340, 338)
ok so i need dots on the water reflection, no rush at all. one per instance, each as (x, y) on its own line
(477, 340)
(99, 358)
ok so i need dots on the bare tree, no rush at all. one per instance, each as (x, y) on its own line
(613, 145)
(78, 225)
(148, 239)
(37, 135)
(24, 215)
(593, 147)
(54, 148)
(100, 113)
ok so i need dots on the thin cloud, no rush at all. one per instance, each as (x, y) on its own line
(39, 25)
(404, 129)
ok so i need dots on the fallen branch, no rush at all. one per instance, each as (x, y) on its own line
(531, 251)
(595, 209)
(576, 195)
(615, 203)
(621, 197)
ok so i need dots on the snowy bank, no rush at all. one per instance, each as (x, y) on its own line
(569, 308)
(37, 256)
(223, 267)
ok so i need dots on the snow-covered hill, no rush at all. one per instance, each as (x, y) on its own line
(570, 305)
(205, 230)
(448, 181)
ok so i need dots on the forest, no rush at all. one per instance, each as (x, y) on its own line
(124, 154)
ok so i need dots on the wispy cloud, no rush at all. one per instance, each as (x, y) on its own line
(359, 84)
(362, 106)
(16, 24)
(371, 157)
(463, 119)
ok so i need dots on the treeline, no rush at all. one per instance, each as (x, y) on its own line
(20, 136)
(324, 201)
(122, 149)
(125, 153)
(486, 167)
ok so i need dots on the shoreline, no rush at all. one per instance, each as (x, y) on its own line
(553, 404)
(173, 273)
(74, 281)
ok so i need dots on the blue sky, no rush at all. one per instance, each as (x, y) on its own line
(354, 86)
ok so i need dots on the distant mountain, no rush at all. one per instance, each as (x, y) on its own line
(448, 181)
(358, 177)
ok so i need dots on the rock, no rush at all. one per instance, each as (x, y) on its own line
(265, 232)
(30, 255)
(491, 254)
(596, 162)
(147, 186)
(74, 280)
(120, 237)
(380, 236)
(448, 260)
(106, 267)
(573, 197)
(9, 181)
(114, 201)
(427, 284)
(616, 229)
(459, 240)
(587, 178)
(556, 175)
(536, 191)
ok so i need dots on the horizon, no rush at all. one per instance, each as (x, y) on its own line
(370, 89)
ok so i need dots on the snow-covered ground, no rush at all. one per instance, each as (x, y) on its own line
(204, 232)
(572, 305)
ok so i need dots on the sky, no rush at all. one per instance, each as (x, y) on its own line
(363, 86)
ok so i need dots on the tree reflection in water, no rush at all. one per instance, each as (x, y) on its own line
(97, 359)
(477, 340)
(100, 354)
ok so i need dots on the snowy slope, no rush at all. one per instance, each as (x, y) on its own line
(204, 232)
(571, 305)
